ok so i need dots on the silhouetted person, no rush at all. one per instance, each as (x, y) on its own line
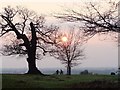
(57, 72)
(61, 72)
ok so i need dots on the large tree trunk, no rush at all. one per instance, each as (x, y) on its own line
(32, 52)
(32, 69)
(68, 69)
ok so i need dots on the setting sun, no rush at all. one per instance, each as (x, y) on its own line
(64, 39)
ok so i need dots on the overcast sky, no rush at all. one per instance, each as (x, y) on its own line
(98, 53)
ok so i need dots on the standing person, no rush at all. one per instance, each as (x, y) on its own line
(57, 72)
(61, 72)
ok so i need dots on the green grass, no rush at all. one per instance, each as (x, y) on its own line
(59, 81)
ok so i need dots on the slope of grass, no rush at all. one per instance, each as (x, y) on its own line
(60, 81)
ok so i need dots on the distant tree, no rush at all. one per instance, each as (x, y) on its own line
(27, 27)
(94, 18)
(68, 49)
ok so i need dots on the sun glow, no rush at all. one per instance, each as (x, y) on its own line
(64, 39)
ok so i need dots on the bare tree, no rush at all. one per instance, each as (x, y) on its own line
(68, 49)
(96, 18)
(28, 27)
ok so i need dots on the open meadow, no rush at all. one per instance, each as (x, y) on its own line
(59, 81)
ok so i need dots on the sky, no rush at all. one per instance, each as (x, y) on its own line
(99, 53)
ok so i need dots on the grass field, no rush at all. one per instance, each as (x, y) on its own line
(59, 81)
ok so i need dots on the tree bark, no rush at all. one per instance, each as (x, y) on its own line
(68, 69)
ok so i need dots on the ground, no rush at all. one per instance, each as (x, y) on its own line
(59, 81)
